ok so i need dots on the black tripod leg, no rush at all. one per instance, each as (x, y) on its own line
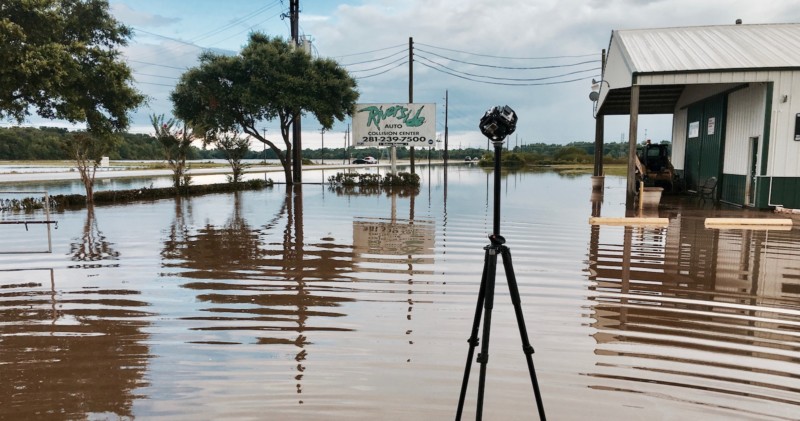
(488, 304)
(523, 332)
(473, 339)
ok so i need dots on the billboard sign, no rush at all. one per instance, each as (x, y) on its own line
(394, 125)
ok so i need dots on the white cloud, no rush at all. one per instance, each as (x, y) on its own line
(129, 16)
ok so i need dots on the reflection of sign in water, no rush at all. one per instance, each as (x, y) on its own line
(396, 239)
(394, 124)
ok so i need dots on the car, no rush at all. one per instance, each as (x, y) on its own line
(370, 160)
(359, 161)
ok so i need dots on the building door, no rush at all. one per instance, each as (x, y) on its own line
(691, 166)
(711, 137)
(704, 141)
(750, 187)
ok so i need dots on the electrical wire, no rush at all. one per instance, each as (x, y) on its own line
(248, 29)
(385, 71)
(237, 21)
(169, 38)
(156, 84)
(381, 66)
(156, 64)
(371, 51)
(554, 66)
(594, 69)
(510, 58)
(502, 83)
(149, 75)
(377, 59)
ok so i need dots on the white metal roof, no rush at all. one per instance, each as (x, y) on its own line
(711, 47)
(691, 50)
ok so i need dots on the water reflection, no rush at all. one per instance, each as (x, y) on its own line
(92, 246)
(693, 314)
(69, 354)
(269, 281)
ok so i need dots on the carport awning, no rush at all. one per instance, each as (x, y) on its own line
(653, 99)
(662, 61)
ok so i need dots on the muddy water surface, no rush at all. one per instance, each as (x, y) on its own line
(326, 305)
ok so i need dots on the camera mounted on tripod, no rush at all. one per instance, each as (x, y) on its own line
(498, 122)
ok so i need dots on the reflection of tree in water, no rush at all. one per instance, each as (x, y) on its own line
(369, 190)
(93, 245)
(271, 275)
(70, 354)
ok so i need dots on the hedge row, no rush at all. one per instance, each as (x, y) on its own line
(61, 201)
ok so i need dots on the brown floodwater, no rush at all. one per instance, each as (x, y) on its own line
(340, 305)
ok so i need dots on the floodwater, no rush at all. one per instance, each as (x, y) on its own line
(327, 305)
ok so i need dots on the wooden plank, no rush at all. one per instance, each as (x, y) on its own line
(597, 220)
(749, 223)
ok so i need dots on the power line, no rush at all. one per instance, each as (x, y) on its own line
(248, 29)
(502, 83)
(149, 75)
(372, 51)
(169, 38)
(237, 21)
(381, 66)
(156, 64)
(510, 58)
(156, 84)
(385, 71)
(594, 69)
(554, 66)
(377, 59)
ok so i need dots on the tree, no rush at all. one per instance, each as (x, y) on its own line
(269, 79)
(87, 150)
(176, 142)
(234, 148)
(60, 58)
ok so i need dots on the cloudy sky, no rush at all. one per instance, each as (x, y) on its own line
(538, 56)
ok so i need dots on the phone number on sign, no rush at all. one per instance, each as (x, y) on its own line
(404, 139)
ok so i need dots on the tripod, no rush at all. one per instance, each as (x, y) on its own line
(486, 302)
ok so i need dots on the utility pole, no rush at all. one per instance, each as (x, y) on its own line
(411, 87)
(297, 143)
(322, 132)
(344, 157)
(446, 105)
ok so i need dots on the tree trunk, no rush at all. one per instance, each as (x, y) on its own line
(88, 180)
(288, 168)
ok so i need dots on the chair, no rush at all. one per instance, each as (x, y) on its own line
(708, 190)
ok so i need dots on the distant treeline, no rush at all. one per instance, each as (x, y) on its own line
(45, 143)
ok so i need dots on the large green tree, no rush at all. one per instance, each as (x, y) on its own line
(269, 79)
(60, 59)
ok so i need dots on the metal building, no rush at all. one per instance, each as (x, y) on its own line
(734, 93)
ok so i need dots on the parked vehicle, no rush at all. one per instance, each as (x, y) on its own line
(365, 160)
(654, 167)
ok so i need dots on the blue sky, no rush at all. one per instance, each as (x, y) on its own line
(456, 43)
